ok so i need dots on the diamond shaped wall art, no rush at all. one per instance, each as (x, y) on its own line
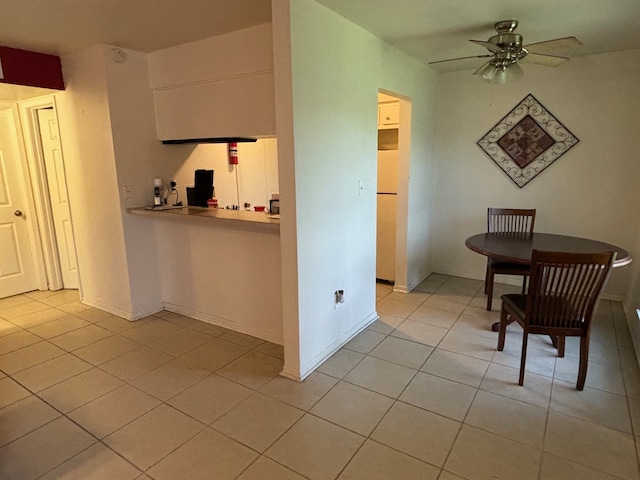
(527, 141)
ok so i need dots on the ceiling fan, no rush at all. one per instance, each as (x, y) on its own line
(507, 51)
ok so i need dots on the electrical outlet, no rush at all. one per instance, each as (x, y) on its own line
(126, 192)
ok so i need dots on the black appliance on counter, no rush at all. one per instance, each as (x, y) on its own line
(202, 190)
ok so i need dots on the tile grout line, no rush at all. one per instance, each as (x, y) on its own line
(61, 415)
(98, 440)
(395, 401)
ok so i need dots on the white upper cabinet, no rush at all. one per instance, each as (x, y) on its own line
(388, 115)
(218, 87)
(235, 107)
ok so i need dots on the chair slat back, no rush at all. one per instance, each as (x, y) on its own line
(510, 220)
(565, 288)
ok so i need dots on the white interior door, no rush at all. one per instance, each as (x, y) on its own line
(57, 185)
(17, 272)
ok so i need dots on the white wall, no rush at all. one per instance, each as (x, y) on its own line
(227, 275)
(107, 128)
(237, 53)
(591, 191)
(337, 69)
(85, 131)
(283, 82)
(107, 122)
(139, 157)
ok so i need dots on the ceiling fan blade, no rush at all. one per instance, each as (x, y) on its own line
(488, 45)
(553, 45)
(459, 58)
(546, 60)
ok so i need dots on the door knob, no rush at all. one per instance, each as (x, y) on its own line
(17, 213)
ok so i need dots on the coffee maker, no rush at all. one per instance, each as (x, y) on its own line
(202, 190)
(157, 192)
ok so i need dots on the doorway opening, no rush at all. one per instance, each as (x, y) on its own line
(394, 114)
(41, 184)
(46, 160)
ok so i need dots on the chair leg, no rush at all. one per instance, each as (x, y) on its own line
(561, 347)
(584, 359)
(523, 359)
(502, 332)
(489, 288)
(524, 284)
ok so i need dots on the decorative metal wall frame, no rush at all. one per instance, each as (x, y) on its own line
(527, 141)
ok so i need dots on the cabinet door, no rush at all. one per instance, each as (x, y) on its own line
(388, 115)
(233, 107)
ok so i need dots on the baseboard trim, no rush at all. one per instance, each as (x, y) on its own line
(273, 337)
(307, 369)
(127, 315)
(400, 288)
(410, 287)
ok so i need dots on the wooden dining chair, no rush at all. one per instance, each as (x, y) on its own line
(512, 221)
(563, 295)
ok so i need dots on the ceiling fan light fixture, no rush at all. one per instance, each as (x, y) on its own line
(488, 73)
(501, 76)
(515, 71)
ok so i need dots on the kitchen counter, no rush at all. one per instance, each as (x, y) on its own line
(218, 216)
(219, 266)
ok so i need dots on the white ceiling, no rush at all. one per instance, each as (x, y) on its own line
(59, 27)
(62, 26)
(426, 29)
(433, 30)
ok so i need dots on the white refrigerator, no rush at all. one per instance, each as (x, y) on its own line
(387, 212)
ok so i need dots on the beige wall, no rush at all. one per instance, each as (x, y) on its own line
(632, 305)
(590, 192)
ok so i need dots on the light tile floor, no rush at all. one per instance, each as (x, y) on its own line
(420, 394)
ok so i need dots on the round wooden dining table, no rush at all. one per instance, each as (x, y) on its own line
(518, 247)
